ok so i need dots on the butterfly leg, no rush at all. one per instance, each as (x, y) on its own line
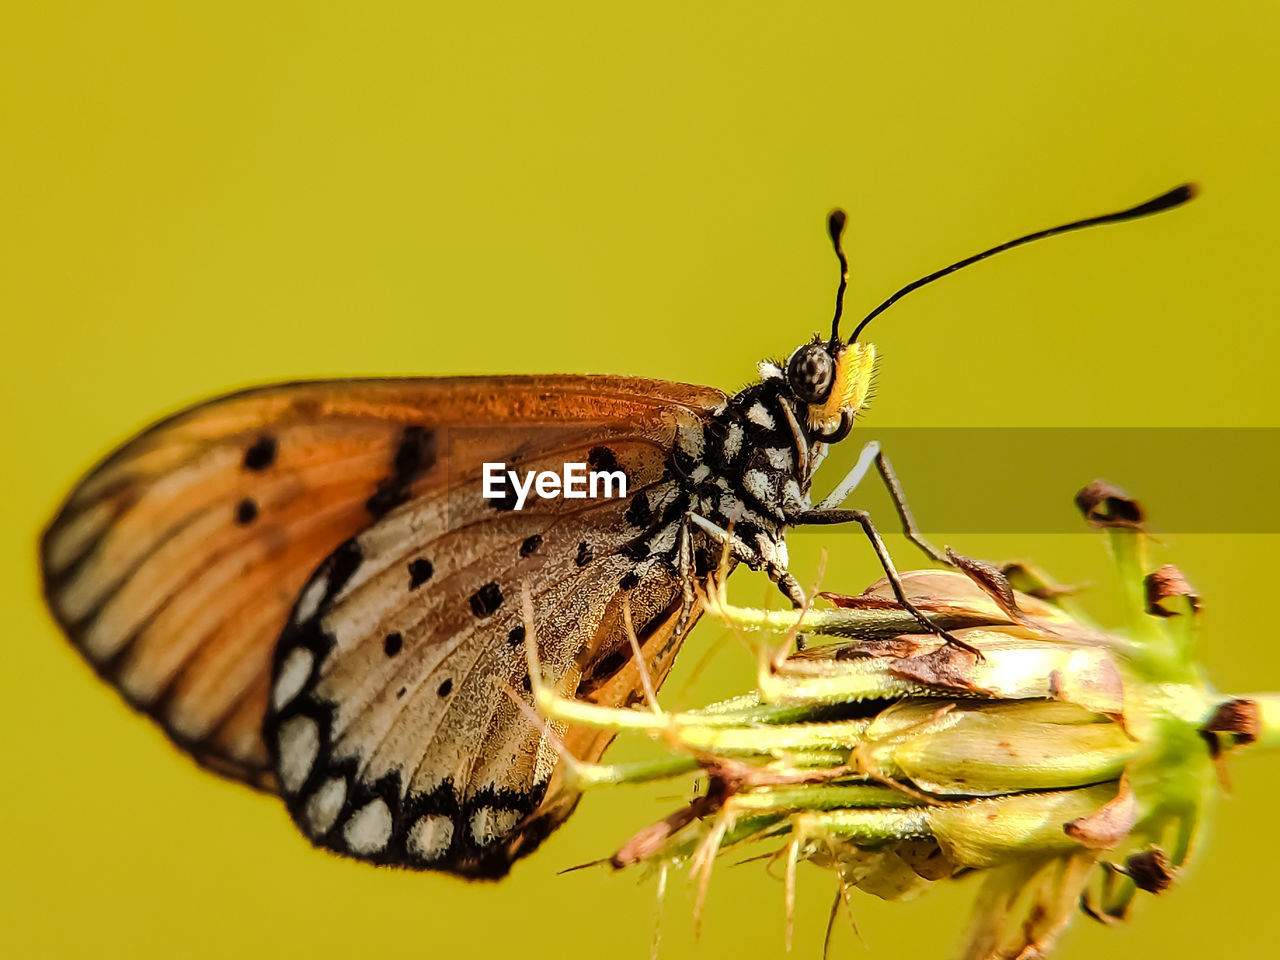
(863, 519)
(872, 454)
(684, 570)
(741, 551)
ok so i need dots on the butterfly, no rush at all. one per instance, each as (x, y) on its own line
(306, 586)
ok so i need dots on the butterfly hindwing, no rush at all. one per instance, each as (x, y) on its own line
(394, 723)
(175, 564)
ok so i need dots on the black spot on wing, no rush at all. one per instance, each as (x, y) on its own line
(392, 643)
(638, 513)
(602, 458)
(414, 456)
(486, 600)
(629, 580)
(342, 565)
(516, 637)
(530, 546)
(246, 512)
(261, 455)
(445, 687)
(507, 499)
(420, 571)
(584, 554)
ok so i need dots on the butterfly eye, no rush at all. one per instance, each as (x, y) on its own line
(810, 373)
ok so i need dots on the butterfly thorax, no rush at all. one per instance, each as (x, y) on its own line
(745, 467)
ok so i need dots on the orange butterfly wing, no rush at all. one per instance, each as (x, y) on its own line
(174, 565)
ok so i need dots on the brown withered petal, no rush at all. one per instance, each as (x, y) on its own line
(1165, 584)
(1109, 825)
(1239, 718)
(1025, 578)
(1150, 870)
(846, 602)
(898, 648)
(945, 667)
(991, 580)
(1104, 505)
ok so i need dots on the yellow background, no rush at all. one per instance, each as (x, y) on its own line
(194, 197)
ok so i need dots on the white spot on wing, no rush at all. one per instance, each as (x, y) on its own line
(309, 602)
(293, 674)
(369, 828)
(325, 804)
(430, 836)
(299, 741)
(491, 823)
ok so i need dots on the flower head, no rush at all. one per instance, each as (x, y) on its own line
(1067, 765)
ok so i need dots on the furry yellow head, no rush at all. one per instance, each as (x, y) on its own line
(850, 390)
(834, 381)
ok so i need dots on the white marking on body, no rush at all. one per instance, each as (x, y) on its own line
(430, 836)
(293, 674)
(491, 823)
(700, 473)
(759, 485)
(298, 740)
(769, 370)
(791, 493)
(779, 458)
(369, 828)
(309, 602)
(761, 417)
(781, 555)
(325, 804)
(720, 408)
(729, 504)
(733, 440)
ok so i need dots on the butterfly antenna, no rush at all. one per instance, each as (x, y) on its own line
(835, 229)
(1166, 201)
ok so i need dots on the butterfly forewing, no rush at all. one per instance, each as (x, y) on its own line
(175, 564)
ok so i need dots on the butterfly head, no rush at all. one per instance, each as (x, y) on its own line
(833, 381)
